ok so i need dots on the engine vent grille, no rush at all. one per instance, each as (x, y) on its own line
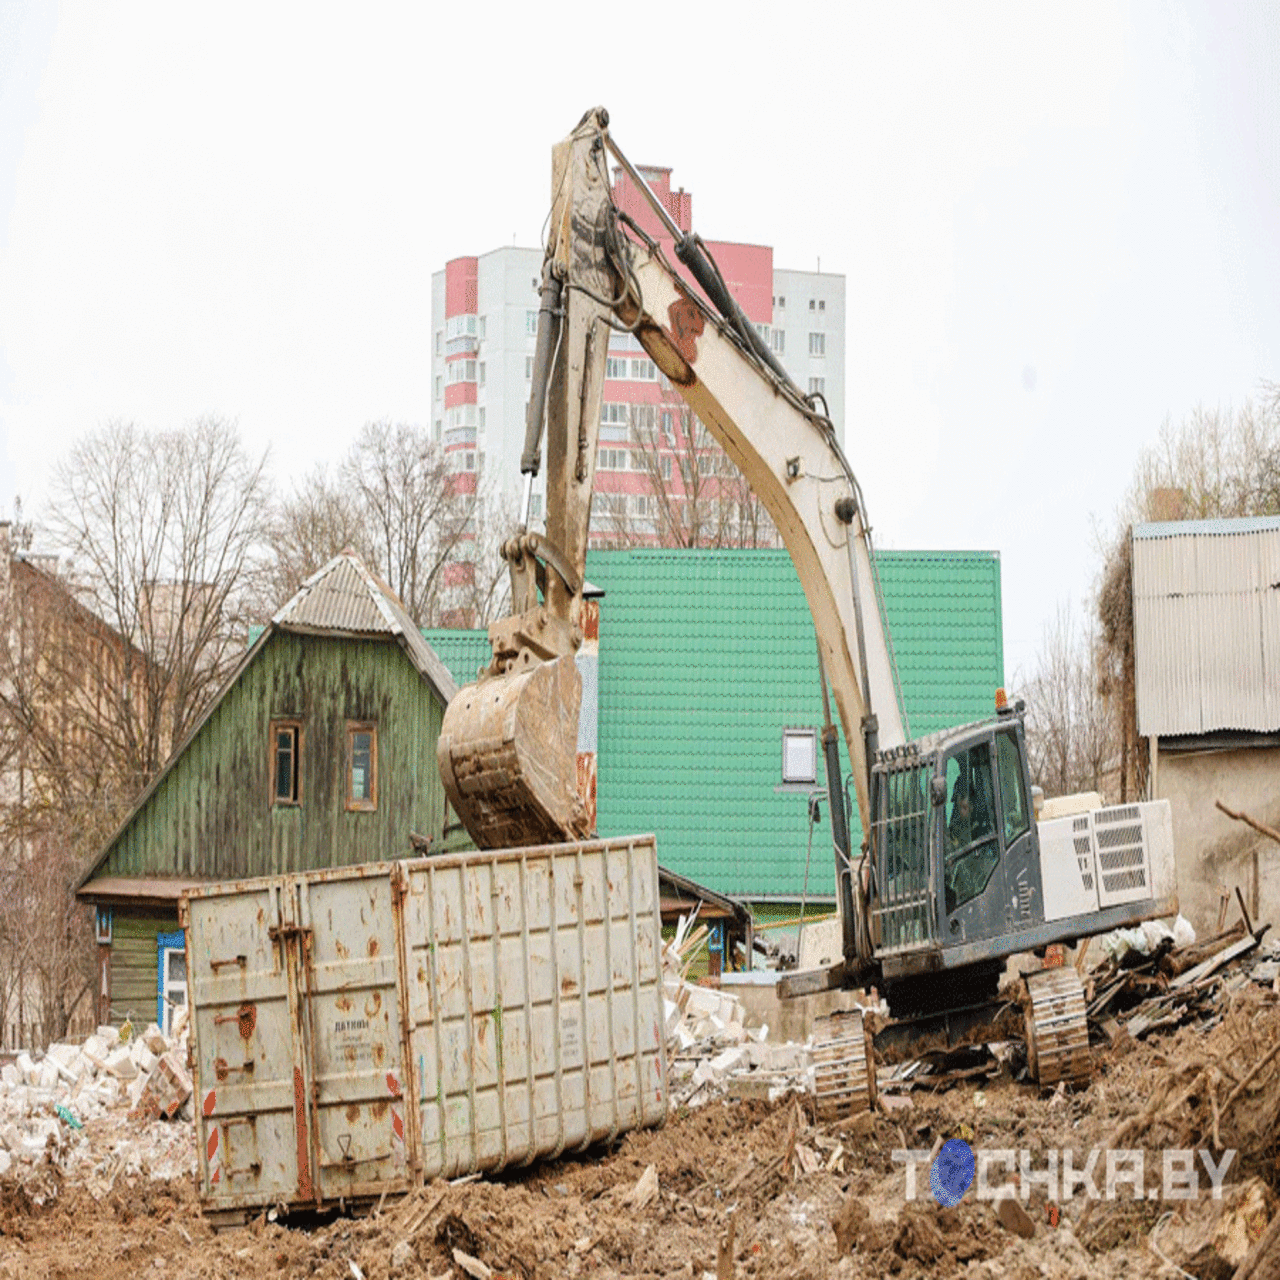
(1124, 868)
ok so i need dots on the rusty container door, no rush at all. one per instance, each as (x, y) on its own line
(354, 1028)
(535, 1001)
(252, 1117)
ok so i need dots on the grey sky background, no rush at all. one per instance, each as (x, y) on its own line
(1060, 225)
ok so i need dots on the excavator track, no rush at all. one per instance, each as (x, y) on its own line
(844, 1066)
(1057, 1028)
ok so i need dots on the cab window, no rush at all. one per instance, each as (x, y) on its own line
(1013, 797)
(972, 852)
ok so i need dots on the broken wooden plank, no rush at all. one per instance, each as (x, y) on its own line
(1243, 947)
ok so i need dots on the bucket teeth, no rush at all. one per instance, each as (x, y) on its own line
(508, 756)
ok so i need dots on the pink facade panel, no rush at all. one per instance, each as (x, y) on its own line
(457, 393)
(460, 286)
(748, 271)
(678, 204)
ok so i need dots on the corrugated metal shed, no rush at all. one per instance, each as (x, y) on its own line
(1206, 615)
(705, 656)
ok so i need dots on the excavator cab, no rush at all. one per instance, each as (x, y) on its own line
(955, 858)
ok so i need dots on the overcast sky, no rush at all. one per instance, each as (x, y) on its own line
(1060, 225)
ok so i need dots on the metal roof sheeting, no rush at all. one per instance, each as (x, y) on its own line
(344, 595)
(1206, 617)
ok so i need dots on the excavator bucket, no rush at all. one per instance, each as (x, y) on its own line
(508, 755)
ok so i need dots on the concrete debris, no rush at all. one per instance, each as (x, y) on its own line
(712, 1053)
(645, 1192)
(123, 1091)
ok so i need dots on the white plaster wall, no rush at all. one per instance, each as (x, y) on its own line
(1213, 850)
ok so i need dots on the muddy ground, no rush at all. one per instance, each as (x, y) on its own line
(745, 1188)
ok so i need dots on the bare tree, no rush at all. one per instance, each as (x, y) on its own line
(415, 507)
(1071, 738)
(165, 530)
(694, 496)
(320, 519)
(396, 501)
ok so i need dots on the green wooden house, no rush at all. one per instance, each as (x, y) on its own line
(319, 751)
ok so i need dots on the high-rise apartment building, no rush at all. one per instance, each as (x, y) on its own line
(660, 479)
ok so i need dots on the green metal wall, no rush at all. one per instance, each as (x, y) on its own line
(211, 815)
(705, 656)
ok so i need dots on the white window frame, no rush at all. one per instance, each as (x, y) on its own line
(799, 757)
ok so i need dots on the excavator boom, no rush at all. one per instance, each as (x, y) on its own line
(508, 767)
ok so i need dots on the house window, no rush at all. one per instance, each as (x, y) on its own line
(286, 749)
(531, 322)
(171, 978)
(799, 756)
(817, 386)
(362, 766)
(666, 466)
(528, 366)
(817, 344)
(822, 304)
(439, 340)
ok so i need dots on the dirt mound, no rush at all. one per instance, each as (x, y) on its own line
(735, 1188)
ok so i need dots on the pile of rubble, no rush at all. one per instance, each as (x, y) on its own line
(710, 1051)
(124, 1089)
(1157, 978)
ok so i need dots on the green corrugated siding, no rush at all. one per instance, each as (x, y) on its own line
(463, 652)
(211, 815)
(705, 656)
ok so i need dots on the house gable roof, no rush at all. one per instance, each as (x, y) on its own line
(345, 598)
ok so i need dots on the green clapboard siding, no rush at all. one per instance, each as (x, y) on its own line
(211, 815)
(133, 965)
(705, 656)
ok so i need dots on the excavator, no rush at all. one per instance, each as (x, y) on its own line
(957, 872)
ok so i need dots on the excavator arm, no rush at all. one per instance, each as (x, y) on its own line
(508, 748)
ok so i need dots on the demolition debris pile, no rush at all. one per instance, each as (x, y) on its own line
(129, 1086)
(710, 1052)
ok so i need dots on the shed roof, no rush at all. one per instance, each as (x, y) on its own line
(1206, 619)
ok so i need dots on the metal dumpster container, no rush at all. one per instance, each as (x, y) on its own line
(359, 1030)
